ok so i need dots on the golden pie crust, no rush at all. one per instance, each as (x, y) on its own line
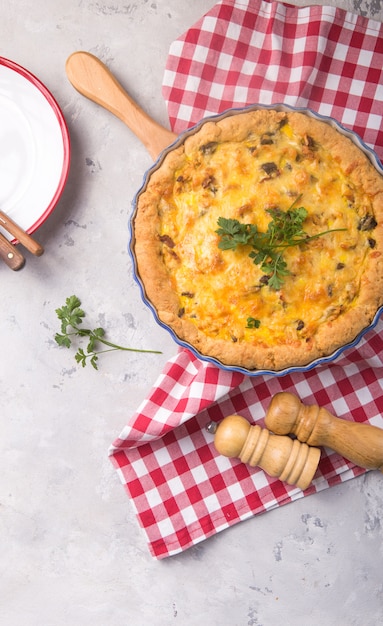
(239, 167)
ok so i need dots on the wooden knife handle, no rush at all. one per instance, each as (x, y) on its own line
(94, 80)
(26, 240)
(10, 255)
(360, 443)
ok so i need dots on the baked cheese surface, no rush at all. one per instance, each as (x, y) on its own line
(241, 168)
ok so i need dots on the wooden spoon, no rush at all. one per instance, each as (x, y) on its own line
(94, 80)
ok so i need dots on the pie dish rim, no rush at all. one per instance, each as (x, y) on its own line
(352, 135)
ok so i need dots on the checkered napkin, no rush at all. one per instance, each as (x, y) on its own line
(239, 53)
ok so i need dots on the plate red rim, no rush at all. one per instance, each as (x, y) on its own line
(64, 134)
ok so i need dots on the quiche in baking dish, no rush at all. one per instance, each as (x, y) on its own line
(258, 240)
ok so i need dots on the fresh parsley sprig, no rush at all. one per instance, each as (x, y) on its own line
(284, 231)
(71, 316)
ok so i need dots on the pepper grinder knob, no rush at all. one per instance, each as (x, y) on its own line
(360, 443)
(282, 457)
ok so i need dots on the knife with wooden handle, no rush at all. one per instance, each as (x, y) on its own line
(24, 238)
(10, 255)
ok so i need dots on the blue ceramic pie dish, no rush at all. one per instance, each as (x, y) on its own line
(372, 156)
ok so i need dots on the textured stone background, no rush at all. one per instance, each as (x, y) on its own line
(72, 553)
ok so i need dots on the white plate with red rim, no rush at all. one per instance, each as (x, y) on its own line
(34, 148)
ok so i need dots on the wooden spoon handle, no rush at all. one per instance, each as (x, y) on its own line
(10, 255)
(26, 240)
(94, 80)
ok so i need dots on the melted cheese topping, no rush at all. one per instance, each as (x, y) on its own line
(219, 290)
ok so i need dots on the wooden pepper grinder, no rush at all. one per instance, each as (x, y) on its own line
(283, 457)
(360, 443)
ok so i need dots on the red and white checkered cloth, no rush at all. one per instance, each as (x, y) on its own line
(244, 52)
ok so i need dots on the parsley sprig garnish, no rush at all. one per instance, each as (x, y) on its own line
(284, 231)
(71, 317)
